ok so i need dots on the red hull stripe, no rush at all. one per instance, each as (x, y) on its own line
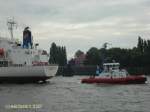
(123, 80)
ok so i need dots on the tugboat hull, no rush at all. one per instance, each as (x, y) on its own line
(122, 80)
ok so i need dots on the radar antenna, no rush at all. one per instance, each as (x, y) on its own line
(11, 24)
(105, 45)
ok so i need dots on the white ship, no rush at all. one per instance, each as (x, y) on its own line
(23, 62)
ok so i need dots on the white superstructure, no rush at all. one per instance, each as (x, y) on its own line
(16, 55)
(113, 70)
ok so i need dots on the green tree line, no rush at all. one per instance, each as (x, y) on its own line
(137, 57)
(58, 55)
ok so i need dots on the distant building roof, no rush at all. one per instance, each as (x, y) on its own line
(80, 59)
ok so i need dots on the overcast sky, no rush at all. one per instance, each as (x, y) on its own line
(79, 24)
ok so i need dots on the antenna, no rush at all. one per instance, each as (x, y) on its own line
(105, 45)
(11, 23)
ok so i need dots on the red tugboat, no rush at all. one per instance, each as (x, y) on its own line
(113, 75)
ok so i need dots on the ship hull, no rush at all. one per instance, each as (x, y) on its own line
(27, 73)
(123, 80)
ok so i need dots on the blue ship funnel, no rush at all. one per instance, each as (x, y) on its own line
(27, 38)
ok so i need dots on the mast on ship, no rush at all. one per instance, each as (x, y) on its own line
(11, 24)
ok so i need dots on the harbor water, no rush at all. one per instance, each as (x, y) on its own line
(67, 94)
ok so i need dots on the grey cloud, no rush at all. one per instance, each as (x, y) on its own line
(85, 22)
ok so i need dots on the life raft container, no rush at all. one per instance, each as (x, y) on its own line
(35, 63)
